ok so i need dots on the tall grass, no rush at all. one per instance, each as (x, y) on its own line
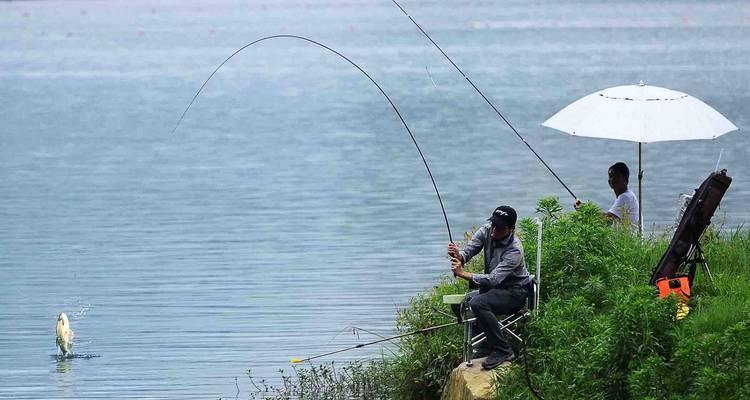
(370, 380)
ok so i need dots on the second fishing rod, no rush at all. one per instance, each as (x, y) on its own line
(486, 99)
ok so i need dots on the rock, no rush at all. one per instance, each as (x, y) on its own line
(471, 383)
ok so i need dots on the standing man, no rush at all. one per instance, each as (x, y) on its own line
(625, 208)
(504, 285)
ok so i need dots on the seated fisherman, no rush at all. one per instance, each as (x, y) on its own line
(625, 208)
(626, 203)
(504, 285)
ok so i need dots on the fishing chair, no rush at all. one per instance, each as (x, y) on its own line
(509, 324)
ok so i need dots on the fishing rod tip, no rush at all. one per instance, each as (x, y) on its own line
(295, 361)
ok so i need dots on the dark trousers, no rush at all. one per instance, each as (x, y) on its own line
(486, 305)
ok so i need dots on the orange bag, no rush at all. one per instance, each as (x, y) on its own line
(677, 284)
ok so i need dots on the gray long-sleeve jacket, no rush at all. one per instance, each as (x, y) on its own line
(504, 264)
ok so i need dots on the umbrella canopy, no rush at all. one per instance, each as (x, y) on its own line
(640, 113)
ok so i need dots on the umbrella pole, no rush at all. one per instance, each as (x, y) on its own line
(640, 201)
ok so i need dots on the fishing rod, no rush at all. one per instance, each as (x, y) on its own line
(523, 343)
(486, 100)
(414, 140)
(418, 331)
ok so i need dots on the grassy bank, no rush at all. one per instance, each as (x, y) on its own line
(601, 333)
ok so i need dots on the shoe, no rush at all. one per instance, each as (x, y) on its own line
(480, 352)
(496, 358)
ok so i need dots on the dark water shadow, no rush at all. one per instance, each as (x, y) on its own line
(85, 356)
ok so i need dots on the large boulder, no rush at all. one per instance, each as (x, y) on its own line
(471, 382)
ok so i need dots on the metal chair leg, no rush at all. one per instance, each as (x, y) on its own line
(467, 348)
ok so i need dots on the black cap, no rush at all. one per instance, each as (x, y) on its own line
(503, 216)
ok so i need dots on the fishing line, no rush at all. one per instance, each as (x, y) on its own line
(487, 100)
(434, 185)
(418, 331)
(355, 332)
(523, 344)
(384, 339)
(430, 75)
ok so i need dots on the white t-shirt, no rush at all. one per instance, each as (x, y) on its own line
(626, 204)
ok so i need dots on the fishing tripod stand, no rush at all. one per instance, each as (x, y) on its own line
(695, 257)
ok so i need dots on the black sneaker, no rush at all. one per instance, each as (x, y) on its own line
(496, 358)
(481, 352)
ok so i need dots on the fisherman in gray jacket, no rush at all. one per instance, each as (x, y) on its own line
(504, 285)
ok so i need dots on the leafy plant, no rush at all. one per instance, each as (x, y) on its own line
(549, 208)
(604, 334)
(357, 380)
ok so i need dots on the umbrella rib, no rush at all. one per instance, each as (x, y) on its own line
(632, 99)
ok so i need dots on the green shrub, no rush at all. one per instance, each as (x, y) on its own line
(357, 380)
(604, 334)
(424, 361)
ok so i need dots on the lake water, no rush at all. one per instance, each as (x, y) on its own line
(291, 205)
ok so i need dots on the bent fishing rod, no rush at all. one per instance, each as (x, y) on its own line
(403, 122)
(486, 99)
(418, 331)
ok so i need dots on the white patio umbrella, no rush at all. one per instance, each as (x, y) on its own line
(640, 113)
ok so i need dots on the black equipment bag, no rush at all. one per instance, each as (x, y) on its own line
(694, 222)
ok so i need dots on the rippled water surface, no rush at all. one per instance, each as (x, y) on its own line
(291, 205)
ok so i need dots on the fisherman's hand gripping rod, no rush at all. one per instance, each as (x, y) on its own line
(485, 99)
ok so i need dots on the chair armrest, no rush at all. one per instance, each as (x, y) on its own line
(453, 298)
